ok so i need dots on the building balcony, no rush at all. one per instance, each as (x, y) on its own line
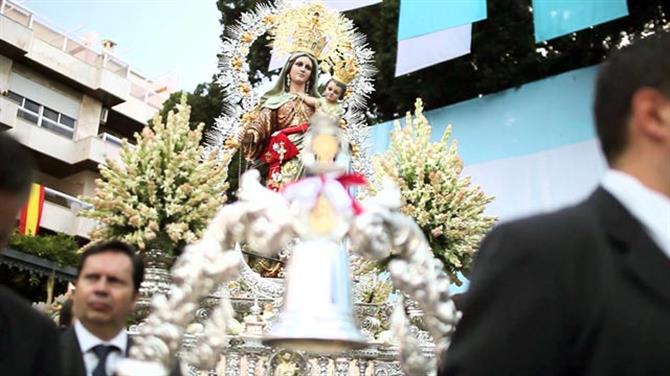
(61, 213)
(55, 141)
(139, 110)
(101, 75)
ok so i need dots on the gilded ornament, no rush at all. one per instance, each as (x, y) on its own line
(269, 19)
(236, 63)
(245, 89)
(248, 117)
(345, 70)
(312, 28)
(247, 37)
(231, 143)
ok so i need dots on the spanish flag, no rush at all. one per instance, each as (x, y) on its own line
(31, 214)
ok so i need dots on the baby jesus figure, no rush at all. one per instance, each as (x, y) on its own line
(330, 103)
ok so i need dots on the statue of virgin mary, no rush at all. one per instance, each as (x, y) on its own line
(274, 136)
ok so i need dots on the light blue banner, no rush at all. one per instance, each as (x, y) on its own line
(554, 18)
(421, 17)
(535, 117)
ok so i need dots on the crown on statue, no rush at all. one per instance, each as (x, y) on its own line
(345, 70)
(310, 28)
(309, 37)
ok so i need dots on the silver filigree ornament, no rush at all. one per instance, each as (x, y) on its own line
(258, 220)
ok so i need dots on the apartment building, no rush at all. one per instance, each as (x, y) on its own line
(71, 105)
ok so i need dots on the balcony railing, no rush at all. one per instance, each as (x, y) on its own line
(142, 88)
(111, 139)
(17, 12)
(61, 214)
(147, 96)
(62, 41)
(65, 200)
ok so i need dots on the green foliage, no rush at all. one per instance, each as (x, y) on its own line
(504, 52)
(504, 55)
(59, 248)
(206, 102)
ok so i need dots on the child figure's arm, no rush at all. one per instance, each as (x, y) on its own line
(310, 101)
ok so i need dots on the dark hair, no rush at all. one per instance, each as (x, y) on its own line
(339, 84)
(16, 166)
(646, 63)
(117, 246)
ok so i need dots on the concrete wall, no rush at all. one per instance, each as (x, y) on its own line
(49, 92)
(5, 70)
(81, 183)
(14, 33)
(88, 122)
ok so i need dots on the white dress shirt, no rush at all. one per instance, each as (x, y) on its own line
(87, 341)
(649, 207)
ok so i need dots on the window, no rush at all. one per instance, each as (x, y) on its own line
(50, 114)
(42, 116)
(15, 97)
(66, 120)
(31, 106)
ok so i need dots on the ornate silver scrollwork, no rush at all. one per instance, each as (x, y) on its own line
(259, 220)
(261, 287)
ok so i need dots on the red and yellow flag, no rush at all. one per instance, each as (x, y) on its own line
(31, 214)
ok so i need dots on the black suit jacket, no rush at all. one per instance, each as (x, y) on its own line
(73, 362)
(28, 339)
(582, 291)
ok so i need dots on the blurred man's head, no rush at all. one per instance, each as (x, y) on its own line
(632, 110)
(107, 287)
(16, 176)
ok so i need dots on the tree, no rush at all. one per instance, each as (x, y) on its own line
(504, 55)
(504, 52)
(205, 103)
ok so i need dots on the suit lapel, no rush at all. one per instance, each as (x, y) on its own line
(73, 361)
(642, 258)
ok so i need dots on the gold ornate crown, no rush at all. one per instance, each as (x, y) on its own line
(345, 70)
(310, 37)
(311, 28)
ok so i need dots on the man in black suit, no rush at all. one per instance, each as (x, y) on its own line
(107, 288)
(586, 290)
(28, 340)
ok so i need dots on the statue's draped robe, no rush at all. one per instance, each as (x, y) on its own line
(281, 124)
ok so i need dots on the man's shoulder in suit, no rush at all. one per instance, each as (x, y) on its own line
(18, 309)
(553, 229)
(29, 340)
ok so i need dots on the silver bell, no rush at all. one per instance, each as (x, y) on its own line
(317, 311)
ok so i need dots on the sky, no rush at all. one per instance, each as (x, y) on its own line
(156, 37)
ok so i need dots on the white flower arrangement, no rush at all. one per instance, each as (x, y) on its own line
(447, 207)
(164, 191)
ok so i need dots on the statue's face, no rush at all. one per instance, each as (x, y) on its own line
(301, 70)
(333, 92)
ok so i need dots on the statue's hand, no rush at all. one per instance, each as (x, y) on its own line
(249, 142)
